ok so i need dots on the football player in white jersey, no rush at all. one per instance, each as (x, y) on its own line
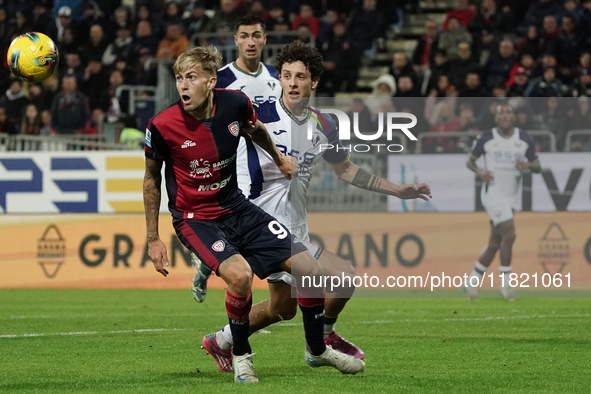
(505, 149)
(300, 67)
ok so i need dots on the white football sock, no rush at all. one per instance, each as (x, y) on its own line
(477, 272)
(224, 338)
(506, 271)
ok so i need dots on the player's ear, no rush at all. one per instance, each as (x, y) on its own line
(211, 83)
(264, 39)
(235, 40)
(315, 82)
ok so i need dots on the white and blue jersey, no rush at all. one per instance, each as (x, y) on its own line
(260, 179)
(259, 87)
(500, 157)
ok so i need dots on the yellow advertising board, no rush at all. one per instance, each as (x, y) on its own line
(109, 250)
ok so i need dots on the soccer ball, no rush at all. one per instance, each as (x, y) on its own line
(32, 57)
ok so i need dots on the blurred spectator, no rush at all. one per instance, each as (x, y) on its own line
(304, 34)
(340, 63)
(526, 63)
(73, 5)
(424, 54)
(114, 107)
(257, 8)
(31, 123)
(442, 120)
(130, 135)
(306, 16)
(280, 25)
(467, 119)
(462, 65)
(365, 25)
(363, 114)
(93, 81)
(441, 67)
(538, 10)
(5, 125)
(94, 123)
(545, 85)
(462, 12)
(144, 75)
(6, 30)
(488, 16)
(97, 43)
(120, 48)
(585, 18)
(471, 88)
(484, 44)
(549, 31)
(91, 15)
(553, 117)
(74, 66)
(46, 128)
(498, 65)
(401, 66)
(384, 86)
(581, 120)
(69, 111)
(569, 7)
(172, 13)
(406, 87)
(225, 18)
(531, 43)
(62, 20)
(36, 96)
(276, 14)
(519, 84)
(449, 39)
(499, 89)
(122, 19)
(173, 44)
(568, 43)
(523, 119)
(20, 6)
(143, 14)
(21, 25)
(70, 43)
(198, 21)
(50, 90)
(144, 39)
(443, 88)
(582, 85)
(14, 101)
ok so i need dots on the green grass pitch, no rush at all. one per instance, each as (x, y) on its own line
(148, 341)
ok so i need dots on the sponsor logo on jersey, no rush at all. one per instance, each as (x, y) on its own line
(148, 138)
(200, 167)
(215, 185)
(234, 128)
(218, 246)
(279, 132)
(187, 144)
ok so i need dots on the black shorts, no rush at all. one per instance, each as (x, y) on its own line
(248, 231)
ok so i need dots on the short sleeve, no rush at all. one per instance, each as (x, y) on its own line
(337, 154)
(155, 147)
(477, 147)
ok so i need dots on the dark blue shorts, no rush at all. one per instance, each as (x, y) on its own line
(248, 231)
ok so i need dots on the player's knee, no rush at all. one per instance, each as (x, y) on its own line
(285, 311)
(509, 237)
(240, 280)
(493, 246)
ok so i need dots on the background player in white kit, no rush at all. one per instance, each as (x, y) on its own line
(300, 67)
(505, 149)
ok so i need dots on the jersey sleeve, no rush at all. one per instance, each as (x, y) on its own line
(477, 147)
(530, 154)
(225, 77)
(155, 147)
(337, 154)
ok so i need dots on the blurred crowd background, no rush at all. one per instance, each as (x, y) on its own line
(448, 52)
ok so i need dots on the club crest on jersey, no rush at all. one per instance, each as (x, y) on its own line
(187, 144)
(200, 167)
(218, 246)
(234, 128)
(271, 84)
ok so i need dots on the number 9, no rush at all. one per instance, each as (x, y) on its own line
(277, 229)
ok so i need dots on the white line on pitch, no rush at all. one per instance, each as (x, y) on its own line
(93, 332)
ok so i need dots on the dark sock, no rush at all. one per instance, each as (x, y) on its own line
(238, 309)
(313, 317)
(330, 320)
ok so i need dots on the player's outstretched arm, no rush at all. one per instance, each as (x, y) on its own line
(152, 194)
(356, 176)
(258, 133)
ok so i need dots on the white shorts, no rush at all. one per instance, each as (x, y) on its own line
(283, 276)
(499, 211)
